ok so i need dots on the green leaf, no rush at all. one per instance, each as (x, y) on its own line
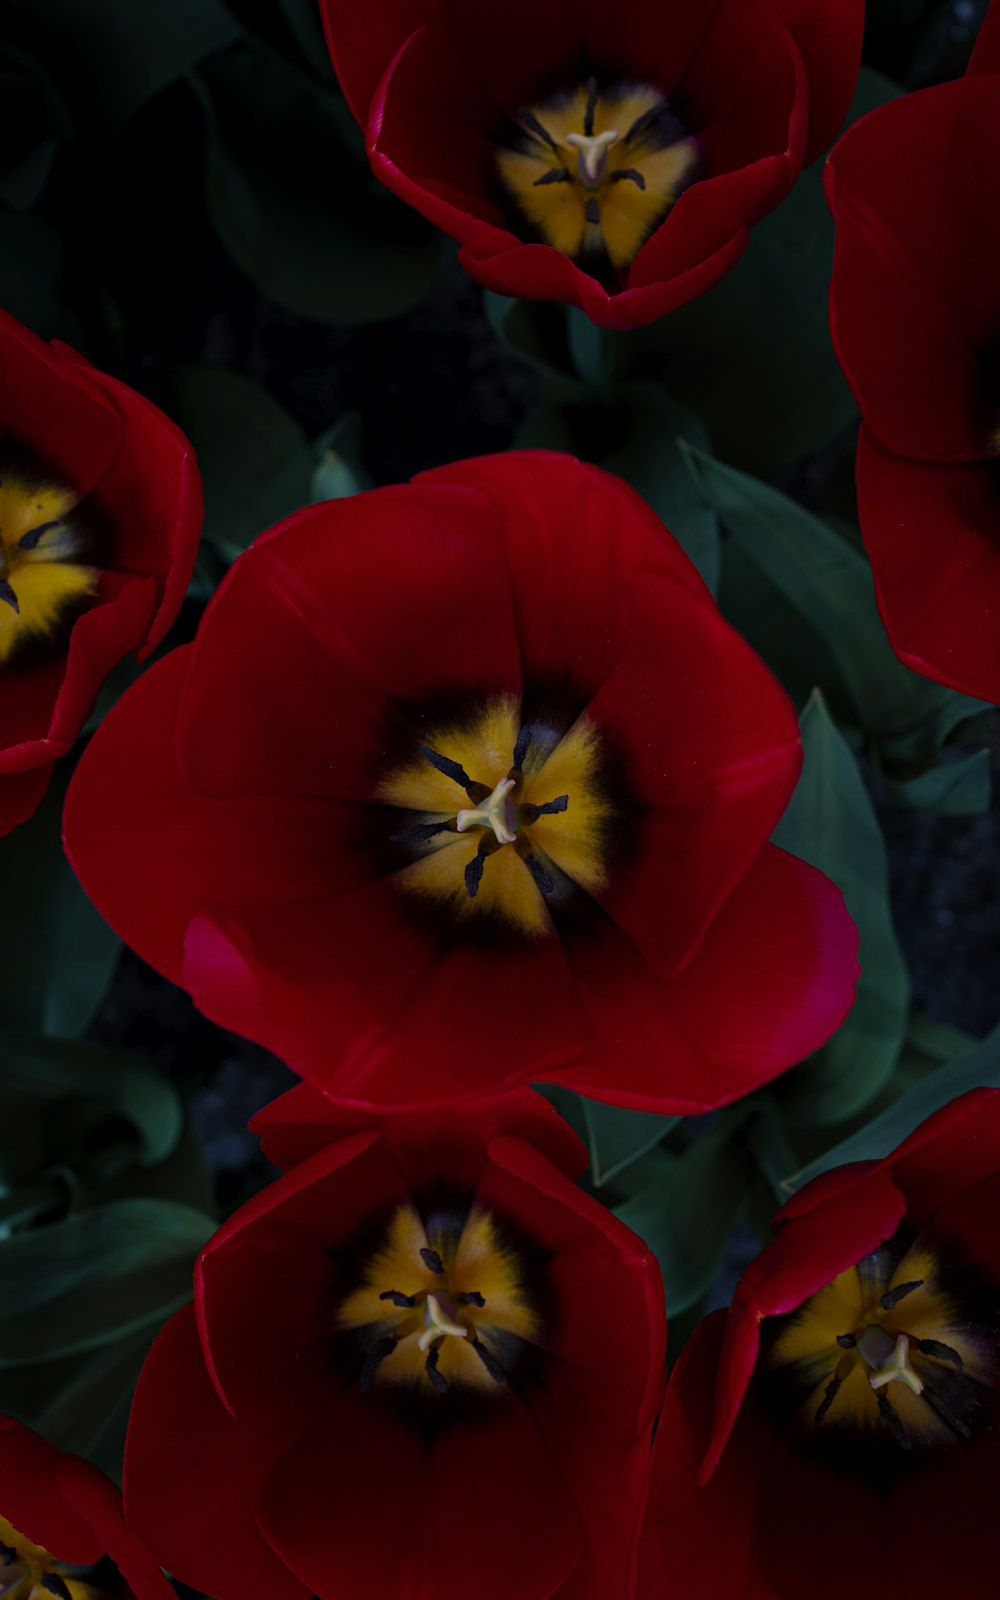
(831, 824)
(55, 1094)
(977, 1068)
(57, 954)
(255, 459)
(340, 470)
(753, 356)
(616, 1138)
(99, 1275)
(312, 232)
(116, 55)
(87, 1411)
(687, 1214)
(827, 581)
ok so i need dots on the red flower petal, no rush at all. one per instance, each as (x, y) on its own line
(193, 1476)
(96, 1498)
(986, 55)
(33, 1501)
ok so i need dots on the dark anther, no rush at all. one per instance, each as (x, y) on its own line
(946, 1414)
(489, 1361)
(437, 1378)
(422, 831)
(7, 594)
(846, 1341)
(431, 1259)
(538, 872)
(29, 540)
(397, 1298)
(892, 1422)
(829, 1396)
(943, 1352)
(660, 122)
(474, 874)
(554, 175)
(472, 1298)
(631, 174)
(591, 107)
(522, 747)
(551, 808)
(892, 1297)
(643, 123)
(539, 129)
(451, 769)
(592, 212)
(376, 1355)
(54, 1584)
(7, 1551)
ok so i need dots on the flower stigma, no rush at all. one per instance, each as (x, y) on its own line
(449, 1313)
(594, 171)
(40, 573)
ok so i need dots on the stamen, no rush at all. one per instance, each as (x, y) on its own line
(829, 1396)
(524, 737)
(472, 1298)
(592, 212)
(474, 868)
(554, 175)
(453, 770)
(376, 1355)
(398, 1299)
(29, 540)
(943, 1352)
(892, 1422)
(892, 1297)
(422, 831)
(54, 1584)
(531, 122)
(7, 594)
(846, 1341)
(489, 1361)
(550, 809)
(431, 1259)
(643, 123)
(591, 107)
(437, 1378)
(632, 175)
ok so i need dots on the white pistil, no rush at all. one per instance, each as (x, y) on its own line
(498, 813)
(592, 154)
(439, 1324)
(896, 1366)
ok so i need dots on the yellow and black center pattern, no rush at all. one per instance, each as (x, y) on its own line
(27, 1572)
(598, 169)
(41, 574)
(504, 816)
(442, 1304)
(884, 1351)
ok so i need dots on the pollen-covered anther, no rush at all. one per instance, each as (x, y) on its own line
(498, 812)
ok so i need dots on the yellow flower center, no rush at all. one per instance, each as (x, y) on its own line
(884, 1349)
(440, 1304)
(27, 1572)
(597, 170)
(536, 823)
(40, 573)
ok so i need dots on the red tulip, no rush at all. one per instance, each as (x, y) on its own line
(613, 157)
(422, 1362)
(60, 1517)
(465, 784)
(100, 511)
(852, 1438)
(915, 309)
